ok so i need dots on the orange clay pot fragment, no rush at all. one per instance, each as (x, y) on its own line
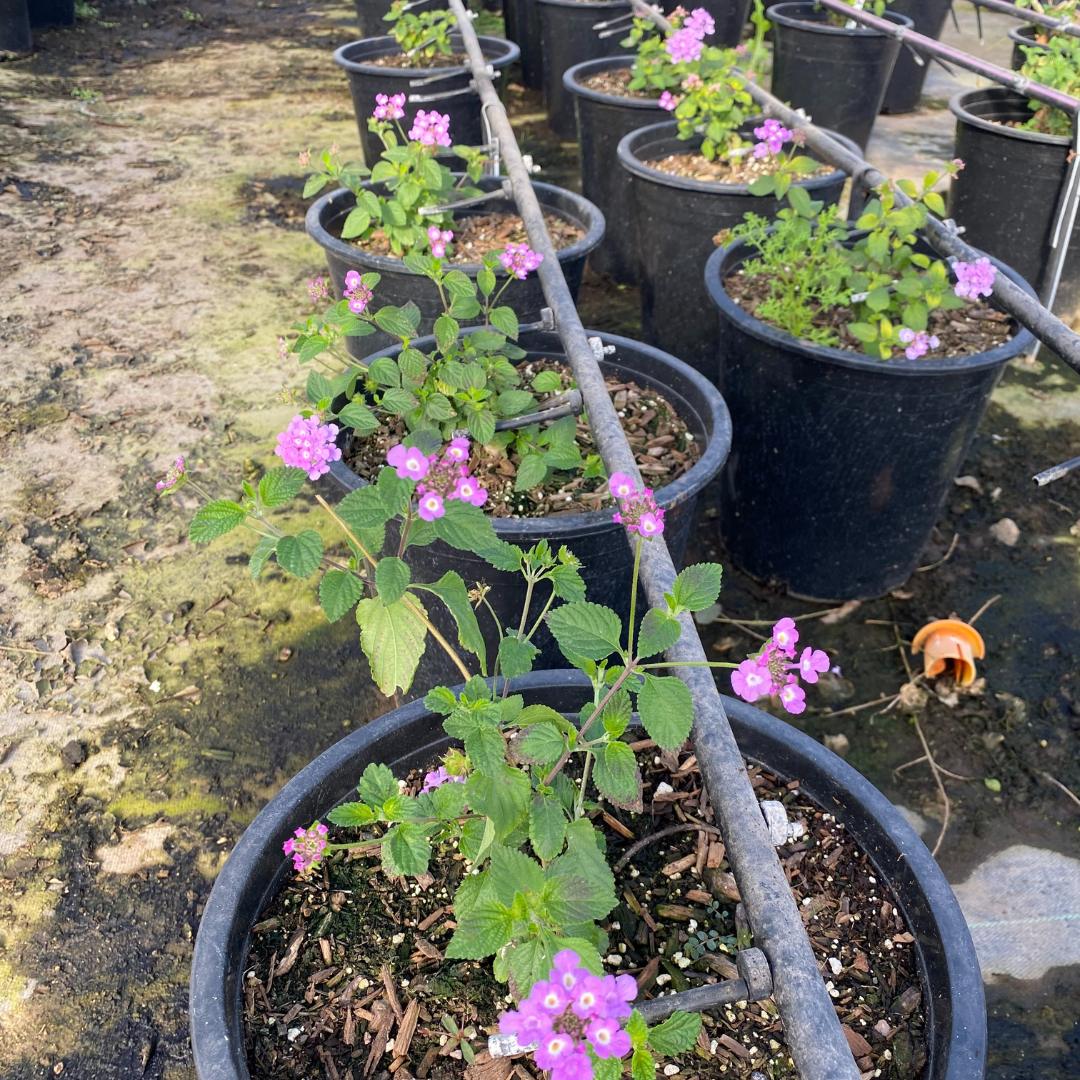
(949, 639)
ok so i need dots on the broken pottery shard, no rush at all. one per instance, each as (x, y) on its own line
(508, 1046)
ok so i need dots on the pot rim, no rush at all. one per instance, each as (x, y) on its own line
(958, 107)
(571, 74)
(385, 264)
(560, 528)
(629, 160)
(1016, 33)
(598, 4)
(505, 52)
(215, 998)
(827, 354)
(777, 15)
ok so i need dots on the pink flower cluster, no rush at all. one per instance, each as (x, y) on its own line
(700, 23)
(307, 847)
(570, 1012)
(174, 477)
(389, 108)
(439, 239)
(304, 157)
(773, 135)
(445, 476)
(439, 777)
(309, 445)
(684, 47)
(356, 292)
(431, 129)
(318, 290)
(667, 101)
(519, 259)
(974, 279)
(918, 344)
(770, 672)
(638, 511)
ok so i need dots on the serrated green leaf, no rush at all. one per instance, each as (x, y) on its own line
(384, 371)
(582, 887)
(280, 485)
(540, 744)
(618, 713)
(698, 586)
(358, 417)
(676, 1034)
(215, 519)
(396, 401)
(609, 1068)
(515, 402)
(616, 774)
(666, 709)
(406, 850)
(637, 1029)
(763, 185)
(338, 592)
(879, 299)
(314, 184)
(357, 221)
(440, 700)
(318, 388)
(263, 550)
(465, 527)
(532, 471)
(481, 426)
(642, 1064)
(505, 321)
(351, 815)
(394, 321)
(485, 281)
(547, 382)
(547, 826)
(505, 798)
(450, 589)
(446, 332)
(659, 631)
(392, 577)
(567, 583)
(393, 639)
(485, 929)
(300, 554)
(586, 629)
(513, 872)
(471, 841)
(364, 508)
(377, 785)
(516, 657)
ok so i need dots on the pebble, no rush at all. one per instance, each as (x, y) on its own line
(1005, 531)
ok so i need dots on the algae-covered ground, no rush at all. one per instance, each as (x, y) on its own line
(153, 697)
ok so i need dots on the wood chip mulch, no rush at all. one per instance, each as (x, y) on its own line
(738, 170)
(616, 83)
(346, 977)
(964, 331)
(662, 445)
(400, 60)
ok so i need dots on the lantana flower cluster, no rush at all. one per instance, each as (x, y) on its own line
(438, 777)
(519, 259)
(356, 292)
(431, 128)
(389, 108)
(974, 279)
(772, 670)
(445, 476)
(307, 847)
(175, 476)
(638, 510)
(773, 135)
(439, 238)
(570, 1013)
(685, 45)
(308, 444)
(918, 343)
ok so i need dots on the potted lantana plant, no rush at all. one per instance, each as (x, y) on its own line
(404, 204)
(871, 350)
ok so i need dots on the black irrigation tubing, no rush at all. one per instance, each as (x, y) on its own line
(1062, 26)
(812, 1030)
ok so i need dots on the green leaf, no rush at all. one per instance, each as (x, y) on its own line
(935, 202)
(538, 714)
(515, 402)
(513, 872)
(697, 586)
(450, 589)
(659, 631)
(364, 508)
(351, 815)
(280, 485)
(406, 850)
(531, 471)
(637, 1029)
(540, 744)
(516, 657)
(300, 554)
(486, 282)
(215, 519)
(384, 371)
(863, 331)
(472, 838)
(396, 401)
(580, 888)
(413, 364)
(394, 321)
(393, 639)
(586, 629)
(547, 382)
(318, 388)
(618, 713)
(465, 527)
(642, 1064)
(392, 578)
(446, 332)
(667, 710)
(440, 700)
(358, 416)
(357, 221)
(263, 550)
(504, 320)
(547, 826)
(616, 774)
(879, 299)
(676, 1034)
(449, 800)
(485, 929)
(377, 785)
(609, 1068)
(395, 491)
(481, 426)
(314, 184)
(763, 185)
(504, 798)
(338, 592)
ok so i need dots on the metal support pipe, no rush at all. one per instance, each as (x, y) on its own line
(811, 1028)
(1062, 26)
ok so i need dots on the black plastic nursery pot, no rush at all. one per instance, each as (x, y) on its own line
(566, 30)
(369, 15)
(675, 220)
(836, 73)
(840, 463)
(15, 27)
(593, 537)
(399, 285)
(730, 17)
(522, 19)
(905, 86)
(602, 122)
(51, 13)
(411, 737)
(444, 89)
(1006, 196)
(1023, 37)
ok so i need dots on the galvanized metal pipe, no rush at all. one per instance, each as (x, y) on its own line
(811, 1028)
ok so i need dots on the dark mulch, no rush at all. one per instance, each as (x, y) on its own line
(400, 60)
(617, 84)
(738, 170)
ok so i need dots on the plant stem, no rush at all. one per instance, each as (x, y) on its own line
(347, 531)
(525, 608)
(405, 531)
(580, 808)
(540, 617)
(688, 663)
(633, 599)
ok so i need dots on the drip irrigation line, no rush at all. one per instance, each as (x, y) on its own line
(817, 1043)
(1062, 26)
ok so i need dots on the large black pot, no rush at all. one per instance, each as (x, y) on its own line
(522, 18)
(676, 219)
(448, 93)
(837, 74)
(51, 13)
(602, 122)
(730, 17)
(369, 15)
(566, 30)
(15, 27)
(840, 463)
(1006, 196)
(398, 285)
(411, 737)
(1021, 37)
(905, 86)
(593, 537)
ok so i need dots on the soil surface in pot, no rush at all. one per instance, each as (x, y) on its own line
(346, 974)
(400, 60)
(664, 450)
(477, 234)
(740, 170)
(617, 83)
(964, 331)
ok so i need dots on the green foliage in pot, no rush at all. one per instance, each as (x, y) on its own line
(421, 36)
(1056, 65)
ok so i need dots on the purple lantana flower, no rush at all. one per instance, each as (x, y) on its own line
(389, 108)
(974, 279)
(309, 444)
(431, 506)
(356, 292)
(918, 343)
(519, 259)
(431, 128)
(306, 847)
(410, 462)
(174, 477)
(684, 46)
(667, 101)
(700, 23)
